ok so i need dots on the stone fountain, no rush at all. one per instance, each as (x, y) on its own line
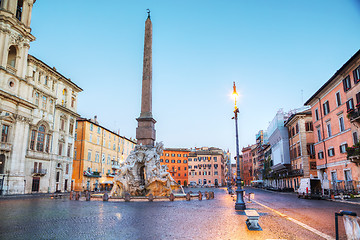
(141, 174)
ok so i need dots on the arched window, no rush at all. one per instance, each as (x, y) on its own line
(12, 56)
(19, 9)
(40, 139)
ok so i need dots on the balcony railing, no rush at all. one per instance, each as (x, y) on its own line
(5, 146)
(296, 172)
(354, 115)
(11, 69)
(92, 174)
(38, 172)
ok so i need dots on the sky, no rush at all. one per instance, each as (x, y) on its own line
(279, 53)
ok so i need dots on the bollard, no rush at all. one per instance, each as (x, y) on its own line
(127, 197)
(212, 195)
(105, 197)
(151, 198)
(188, 197)
(71, 195)
(207, 195)
(87, 196)
(172, 197)
(200, 196)
(77, 196)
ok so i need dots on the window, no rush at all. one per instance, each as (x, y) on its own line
(172, 161)
(90, 137)
(51, 103)
(313, 165)
(184, 155)
(47, 146)
(320, 155)
(98, 140)
(91, 126)
(40, 139)
(316, 114)
(179, 161)
(355, 137)
(89, 156)
(331, 152)
(71, 127)
(46, 80)
(72, 102)
(103, 158)
(12, 57)
(60, 148)
(4, 133)
(318, 133)
(357, 99)
(326, 107)
(167, 160)
(37, 98)
(185, 161)
(308, 126)
(346, 83)
(343, 147)
(98, 131)
(299, 150)
(328, 126)
(62, 124)
(97, 157)
(338, 99)
(297, 128)
(69, 150)
(179, 155)
(341, 124)
(166, 154)
(44, 101)
(311, 150)
(350, 105)
(32, 139)
(356, 74)
(173, 154)
(161, 160)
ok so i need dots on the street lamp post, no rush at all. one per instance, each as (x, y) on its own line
(240, 204)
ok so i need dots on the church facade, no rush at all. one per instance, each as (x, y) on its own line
(38, 111)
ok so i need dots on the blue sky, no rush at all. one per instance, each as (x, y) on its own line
(278, 53)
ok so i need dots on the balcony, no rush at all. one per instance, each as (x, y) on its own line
(5, 147)
(115, 166)
(38, 172)
(11, 69)
(92, 174)
(354, 115)
(110, 174)
(296, 172)
(353, 153)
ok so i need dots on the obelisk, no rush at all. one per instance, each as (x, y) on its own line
(145, 132)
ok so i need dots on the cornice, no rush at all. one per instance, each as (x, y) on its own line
(72, 113)
(18, 100)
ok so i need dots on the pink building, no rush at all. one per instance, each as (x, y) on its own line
(333, 131)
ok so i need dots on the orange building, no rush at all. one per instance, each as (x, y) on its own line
(332, 108)
(98, 154)
(176, 160)
(247, 165)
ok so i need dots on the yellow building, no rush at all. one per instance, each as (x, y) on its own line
(98, 154)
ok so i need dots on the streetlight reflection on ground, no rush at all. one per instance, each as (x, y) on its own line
(240, 204)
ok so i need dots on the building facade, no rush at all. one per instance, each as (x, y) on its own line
(38, 108)
(176, 160)
(247, 165)
(301, 147)
(207, 167)
(332, 109)
(98, 154)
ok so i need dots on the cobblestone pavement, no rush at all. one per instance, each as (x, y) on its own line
(206, 219)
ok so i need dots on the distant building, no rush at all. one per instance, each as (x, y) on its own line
(301, 146)
(38, 110)
(247, 165)
(98, 155)
(176, 160)
(207, 167)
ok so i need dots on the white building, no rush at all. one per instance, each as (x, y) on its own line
(37, 111)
